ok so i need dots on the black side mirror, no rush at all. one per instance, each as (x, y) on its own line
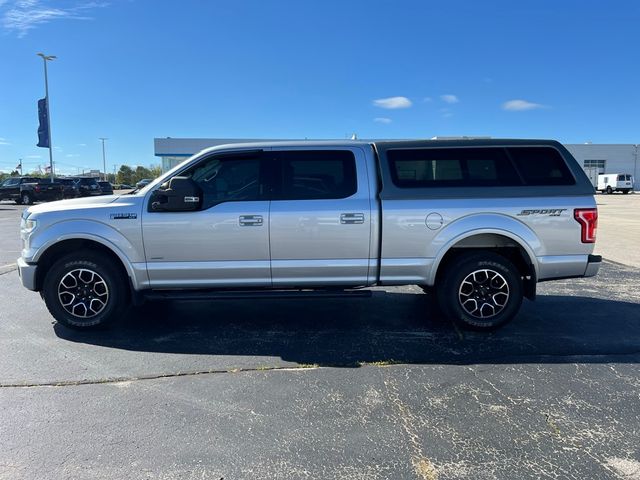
(180, 194)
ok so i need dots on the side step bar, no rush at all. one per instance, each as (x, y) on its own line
(251, 294)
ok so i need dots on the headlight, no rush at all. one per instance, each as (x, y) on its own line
(30, 225)
(27, 226)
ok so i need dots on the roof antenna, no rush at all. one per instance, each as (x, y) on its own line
(354, 136)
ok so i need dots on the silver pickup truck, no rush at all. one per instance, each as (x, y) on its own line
(476, 222)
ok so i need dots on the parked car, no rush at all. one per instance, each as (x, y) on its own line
(143, 183)
(70, 188)
(476, 222)
(88, 186)
(106, 188)
(615, 182)
(27, 190)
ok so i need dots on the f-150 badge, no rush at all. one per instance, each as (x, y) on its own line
(123, 216)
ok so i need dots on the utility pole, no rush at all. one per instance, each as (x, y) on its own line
(104, 159)
(45, 59)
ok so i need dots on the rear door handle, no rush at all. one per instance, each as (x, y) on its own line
(251, 220)
(351, 218)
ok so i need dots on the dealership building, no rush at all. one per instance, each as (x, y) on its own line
(593, 158)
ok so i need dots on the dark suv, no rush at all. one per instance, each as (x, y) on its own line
(70, 188)
(106, 188)
(88, 186)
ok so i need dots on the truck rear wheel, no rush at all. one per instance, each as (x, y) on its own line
(85, 290)
(25, 199)
(480, 291)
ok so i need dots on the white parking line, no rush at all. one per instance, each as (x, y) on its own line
(9, 267)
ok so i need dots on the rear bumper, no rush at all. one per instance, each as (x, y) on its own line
(27, 274)
(593, 265)
(556, 267)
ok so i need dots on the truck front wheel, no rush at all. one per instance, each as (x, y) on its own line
(25, 199)
(85, 290)
(480, 291)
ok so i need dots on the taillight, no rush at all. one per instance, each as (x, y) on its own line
(37, 188)
(588, 220)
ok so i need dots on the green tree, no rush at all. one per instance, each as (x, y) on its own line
(155, 171)
(140, 173)
(125, 175)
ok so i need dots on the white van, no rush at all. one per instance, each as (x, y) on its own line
(615, 182)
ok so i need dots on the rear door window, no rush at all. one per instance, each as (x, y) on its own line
(315, 175)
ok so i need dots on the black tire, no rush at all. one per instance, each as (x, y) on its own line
(480, 277)
(25, 198)
(18, 201)
(100, 301)
(609, 190)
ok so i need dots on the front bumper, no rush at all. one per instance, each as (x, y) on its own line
(27, 274)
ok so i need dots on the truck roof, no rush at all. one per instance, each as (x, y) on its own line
(388, 143)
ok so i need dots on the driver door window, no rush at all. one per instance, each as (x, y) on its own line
(228, 180)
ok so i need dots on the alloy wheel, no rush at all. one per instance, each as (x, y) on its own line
(483, 293)
(83, 293)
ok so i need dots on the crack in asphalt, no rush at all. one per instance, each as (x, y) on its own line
(105, 381)
(303, 367)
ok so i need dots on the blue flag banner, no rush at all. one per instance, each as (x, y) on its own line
(43, 129)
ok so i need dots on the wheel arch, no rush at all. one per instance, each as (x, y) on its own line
(86, 243)
(500, 241)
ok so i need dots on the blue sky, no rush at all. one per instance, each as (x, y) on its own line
(139, 69)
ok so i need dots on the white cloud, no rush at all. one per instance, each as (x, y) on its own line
(427, 99)
(82, 144)
(446, 112)
(392, 102)
(521, 105)
(21, 16)
(3, 141)
(449, 98)
(72, 155)
(382, 120)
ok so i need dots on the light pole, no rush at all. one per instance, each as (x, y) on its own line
(104, 159)
(45, 59)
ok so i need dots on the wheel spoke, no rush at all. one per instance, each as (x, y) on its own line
(483, 293)
(83, 293)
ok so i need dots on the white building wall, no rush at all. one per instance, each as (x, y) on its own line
(620, 158)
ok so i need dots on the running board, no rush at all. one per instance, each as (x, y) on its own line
(251, 294)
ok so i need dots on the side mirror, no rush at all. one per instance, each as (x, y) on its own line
(180, 194)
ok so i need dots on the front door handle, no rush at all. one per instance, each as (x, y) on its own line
(351, 218)
(251, 220)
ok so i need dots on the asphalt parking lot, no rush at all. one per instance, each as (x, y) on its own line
(341, 388)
